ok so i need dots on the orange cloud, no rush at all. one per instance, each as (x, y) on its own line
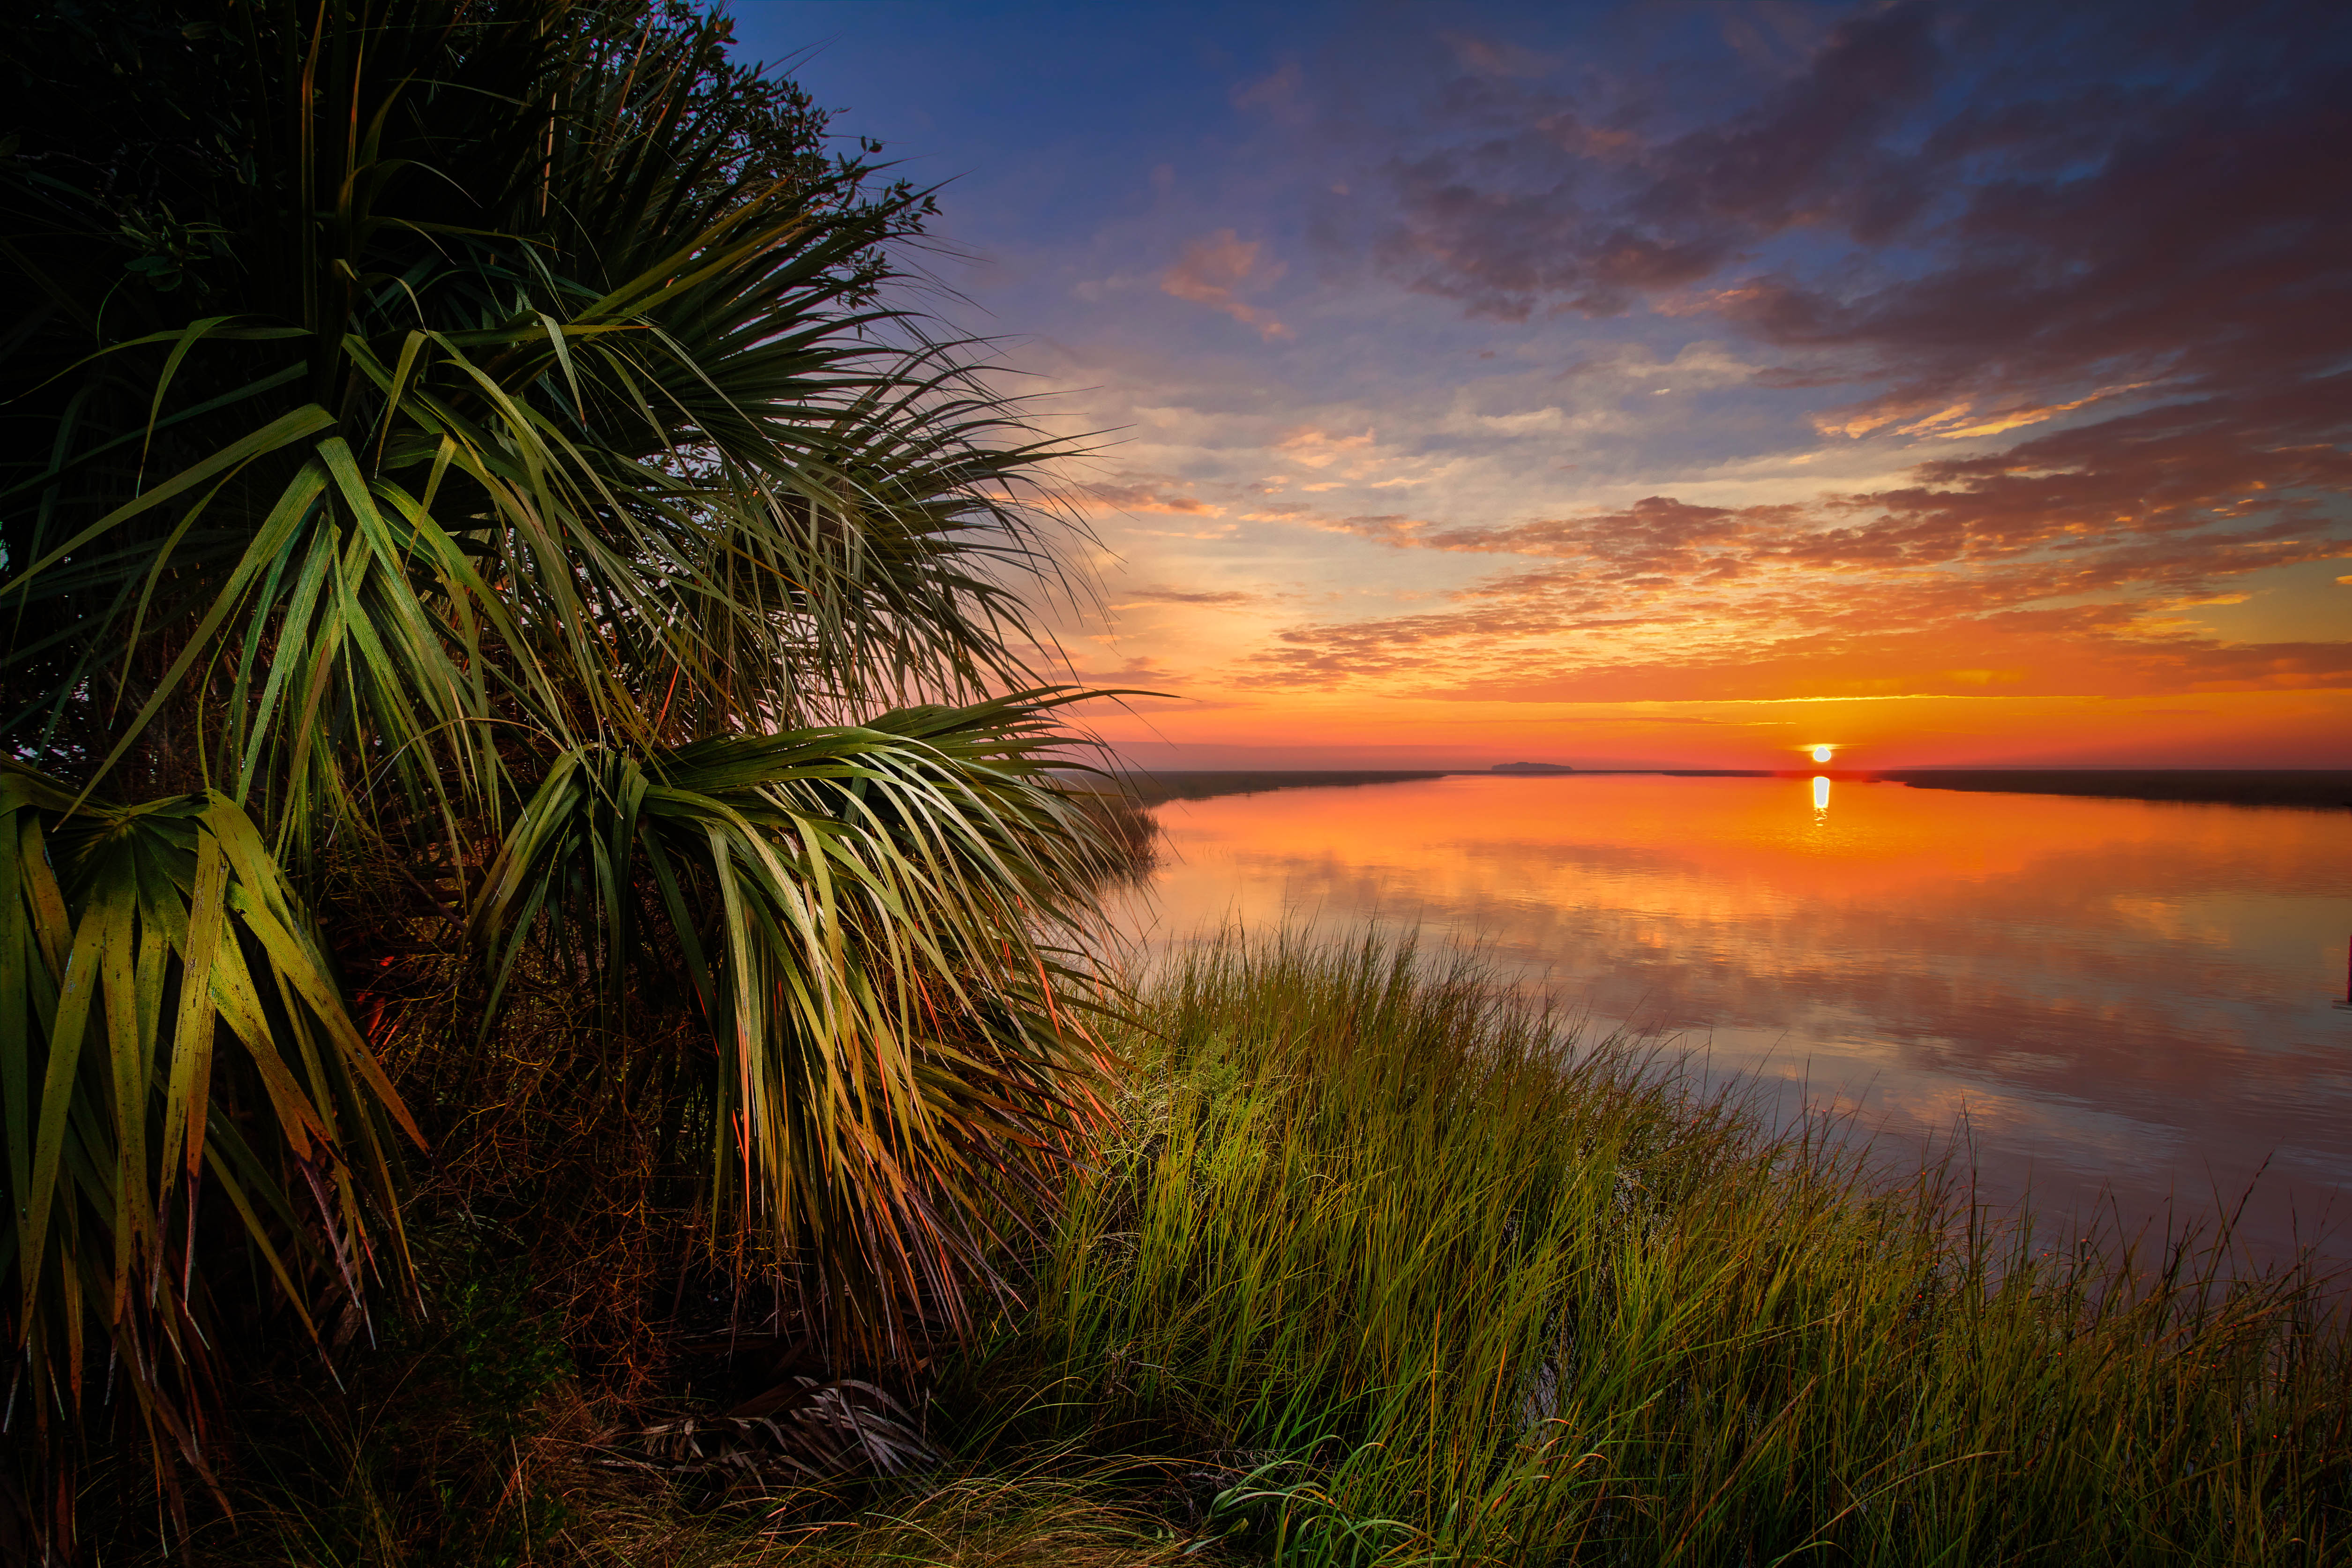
(1210, 272)
(1319, 450)
(2125, 564)
(1957, 421)
(1215, 599)
(2072, 565)
(1153, 499)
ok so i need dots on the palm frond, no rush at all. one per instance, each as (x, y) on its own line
(865, 918)
(174, 1060)
(482, 432)
(508, 469)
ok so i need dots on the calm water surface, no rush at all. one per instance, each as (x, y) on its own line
(2107, 995)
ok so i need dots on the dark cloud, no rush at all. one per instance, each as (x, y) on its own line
(1951, 196)
(2106, 249)
(1545, 206)
(1987, 215)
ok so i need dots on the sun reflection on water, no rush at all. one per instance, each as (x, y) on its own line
(2114, 991)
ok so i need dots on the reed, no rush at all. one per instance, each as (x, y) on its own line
(1379, 1267)
(1414, 1278)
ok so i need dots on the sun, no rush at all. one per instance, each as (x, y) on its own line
(1823, 754)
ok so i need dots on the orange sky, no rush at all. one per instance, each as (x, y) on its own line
(1956, 383)
(2286, 729)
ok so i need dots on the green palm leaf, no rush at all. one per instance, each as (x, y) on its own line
(477, 436)
(136, 944)
(506, 470)
(863, 917)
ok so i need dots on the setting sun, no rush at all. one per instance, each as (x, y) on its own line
(1823, 754)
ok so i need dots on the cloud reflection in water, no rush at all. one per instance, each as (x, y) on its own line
(2113, 992)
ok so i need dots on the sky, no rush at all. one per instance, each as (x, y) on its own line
(1685, 384)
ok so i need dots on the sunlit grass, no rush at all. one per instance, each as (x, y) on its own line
(1381, 1269)
(1420, 1283)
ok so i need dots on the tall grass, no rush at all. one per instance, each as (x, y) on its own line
(1413, 1281)
(1381, 1269)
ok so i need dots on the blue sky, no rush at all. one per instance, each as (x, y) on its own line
(1598, 382)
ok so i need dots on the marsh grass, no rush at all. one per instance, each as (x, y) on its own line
(1380, 1267)
(1410, 1279)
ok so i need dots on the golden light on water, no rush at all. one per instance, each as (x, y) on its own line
(1822, 754)
(1816, 952)
(1821, 791)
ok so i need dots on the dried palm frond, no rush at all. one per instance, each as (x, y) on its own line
(801, 1428)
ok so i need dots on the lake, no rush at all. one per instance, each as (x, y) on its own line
(2110, 997)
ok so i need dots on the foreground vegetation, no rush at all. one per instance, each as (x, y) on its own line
(501, 594)
(545, 1006)
(1376, 1272)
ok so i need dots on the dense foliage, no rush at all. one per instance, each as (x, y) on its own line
(475, 528)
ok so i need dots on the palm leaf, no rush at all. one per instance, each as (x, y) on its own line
(864, 913)
(532, 478)
(135, 942)
(505, 471)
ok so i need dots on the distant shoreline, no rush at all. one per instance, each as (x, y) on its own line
(2310, 789)
(1155, 788)
(2304, 789)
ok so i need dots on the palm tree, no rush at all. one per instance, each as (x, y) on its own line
(464, 450)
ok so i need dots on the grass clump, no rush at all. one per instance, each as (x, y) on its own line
(1406, 1278)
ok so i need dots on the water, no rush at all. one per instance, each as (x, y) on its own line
(2108, 997)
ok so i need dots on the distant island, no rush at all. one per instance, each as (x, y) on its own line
(2311, 788)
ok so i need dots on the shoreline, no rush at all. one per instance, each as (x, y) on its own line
(2307, 789)
(1149, 789)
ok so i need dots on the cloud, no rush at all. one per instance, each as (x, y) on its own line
(1221, 598)
(2073, 562)
(2096, 255)
(1320, 449)
(1278, 92)
(1495, 56)
(1151, 498)
(2051, 302)
(1389, 527)
(1558, 209)
(1704, 363)
(1959, 421)
(1974, 206)
(1138, 670)
(1539, 644)
(1224, 531)
(1210, 272)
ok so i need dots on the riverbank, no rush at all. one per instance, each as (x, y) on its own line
(1372, 1272)
(2312, 788)
(2319, 789)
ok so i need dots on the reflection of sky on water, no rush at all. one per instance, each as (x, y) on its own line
(2111, 991)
